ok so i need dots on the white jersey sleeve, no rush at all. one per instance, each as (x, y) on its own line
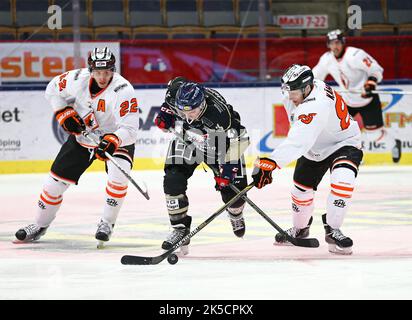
(308, 123)
(56, 94)
(320, 71)
(127, 115)
(363, 61)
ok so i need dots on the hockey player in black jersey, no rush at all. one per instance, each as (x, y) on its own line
(207, 130)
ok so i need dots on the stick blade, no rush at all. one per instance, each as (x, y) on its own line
(307, 243)
(136, 260)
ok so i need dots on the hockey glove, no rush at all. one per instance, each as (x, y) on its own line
(165, 119)
(369, 86)
(227, 175)
(262, 172)
(109, 144)
(71, 122)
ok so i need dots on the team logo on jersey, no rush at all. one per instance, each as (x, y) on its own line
(306, 119)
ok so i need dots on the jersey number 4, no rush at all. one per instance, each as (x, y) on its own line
(125, 107)
(340, 107)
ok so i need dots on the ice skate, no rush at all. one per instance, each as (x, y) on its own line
(30, 233)
(238, 224)
(397, 151)
(103, 233)
(338, 243)
(294, 233)
(177, 234)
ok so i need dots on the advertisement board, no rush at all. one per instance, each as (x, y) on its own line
(40, 62)
(29, 132)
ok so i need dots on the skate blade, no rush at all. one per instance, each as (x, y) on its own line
(282, 244)
(184, 250)
(100, 245)
(337, 250)
(16, 241)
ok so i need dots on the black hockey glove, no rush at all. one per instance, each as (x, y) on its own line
(227, 175)
(262, 172)
(165, 119)
(369, 86)
(109, 144)
(71, 122)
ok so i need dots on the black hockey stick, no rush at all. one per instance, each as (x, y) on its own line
(128, 259)
(307, 242)
(113, 160)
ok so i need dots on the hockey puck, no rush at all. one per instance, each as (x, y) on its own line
(172, 259)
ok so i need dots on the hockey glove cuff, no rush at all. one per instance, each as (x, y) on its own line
(227, 175)
(369, 86)
(109, 143)
(70, 120)
(165, 119)
(262, 172)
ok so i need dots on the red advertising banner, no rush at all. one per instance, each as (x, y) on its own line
(231, 60)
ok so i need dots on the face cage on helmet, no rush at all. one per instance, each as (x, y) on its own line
(285, 89)
(183, 114)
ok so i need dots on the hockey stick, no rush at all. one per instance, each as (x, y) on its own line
(113, 160)
(138, 260)
(307, 242)
(377, 92)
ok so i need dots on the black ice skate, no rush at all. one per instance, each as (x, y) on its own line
(397, 151)
(30, 233)
(337, 241)
(177, 234)
(294, 232)
(238, 224)
(103, 233)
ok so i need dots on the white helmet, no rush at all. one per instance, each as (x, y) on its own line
(297, 77)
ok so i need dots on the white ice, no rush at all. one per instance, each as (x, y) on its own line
(65, 263)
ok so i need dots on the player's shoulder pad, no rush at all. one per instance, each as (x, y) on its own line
(218, 112)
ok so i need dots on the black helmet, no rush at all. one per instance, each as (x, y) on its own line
(335, 35)
(174, 85)
(190, 96)
(297, 77)
(101, 58)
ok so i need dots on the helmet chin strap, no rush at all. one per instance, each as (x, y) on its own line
(303, 91)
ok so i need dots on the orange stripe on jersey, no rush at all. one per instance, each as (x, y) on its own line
(341, 195)
(116, 187)
(49, 202)
(51, 197)
(302, 202)
(61, 179)
(302, 186)
(115, 195)
(347, 162)
(335, 186)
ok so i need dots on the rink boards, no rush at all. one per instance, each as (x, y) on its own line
(30, 137)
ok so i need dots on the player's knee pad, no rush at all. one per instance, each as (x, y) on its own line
(342, 180)
(53, 190)
(177, 206)
(174, 182)
(301, 197)
(115, 175)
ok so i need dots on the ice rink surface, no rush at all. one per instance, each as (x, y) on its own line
(65, 263)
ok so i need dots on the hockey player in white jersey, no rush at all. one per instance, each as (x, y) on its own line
(100, 101)
(353, 69)
(323, 136)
